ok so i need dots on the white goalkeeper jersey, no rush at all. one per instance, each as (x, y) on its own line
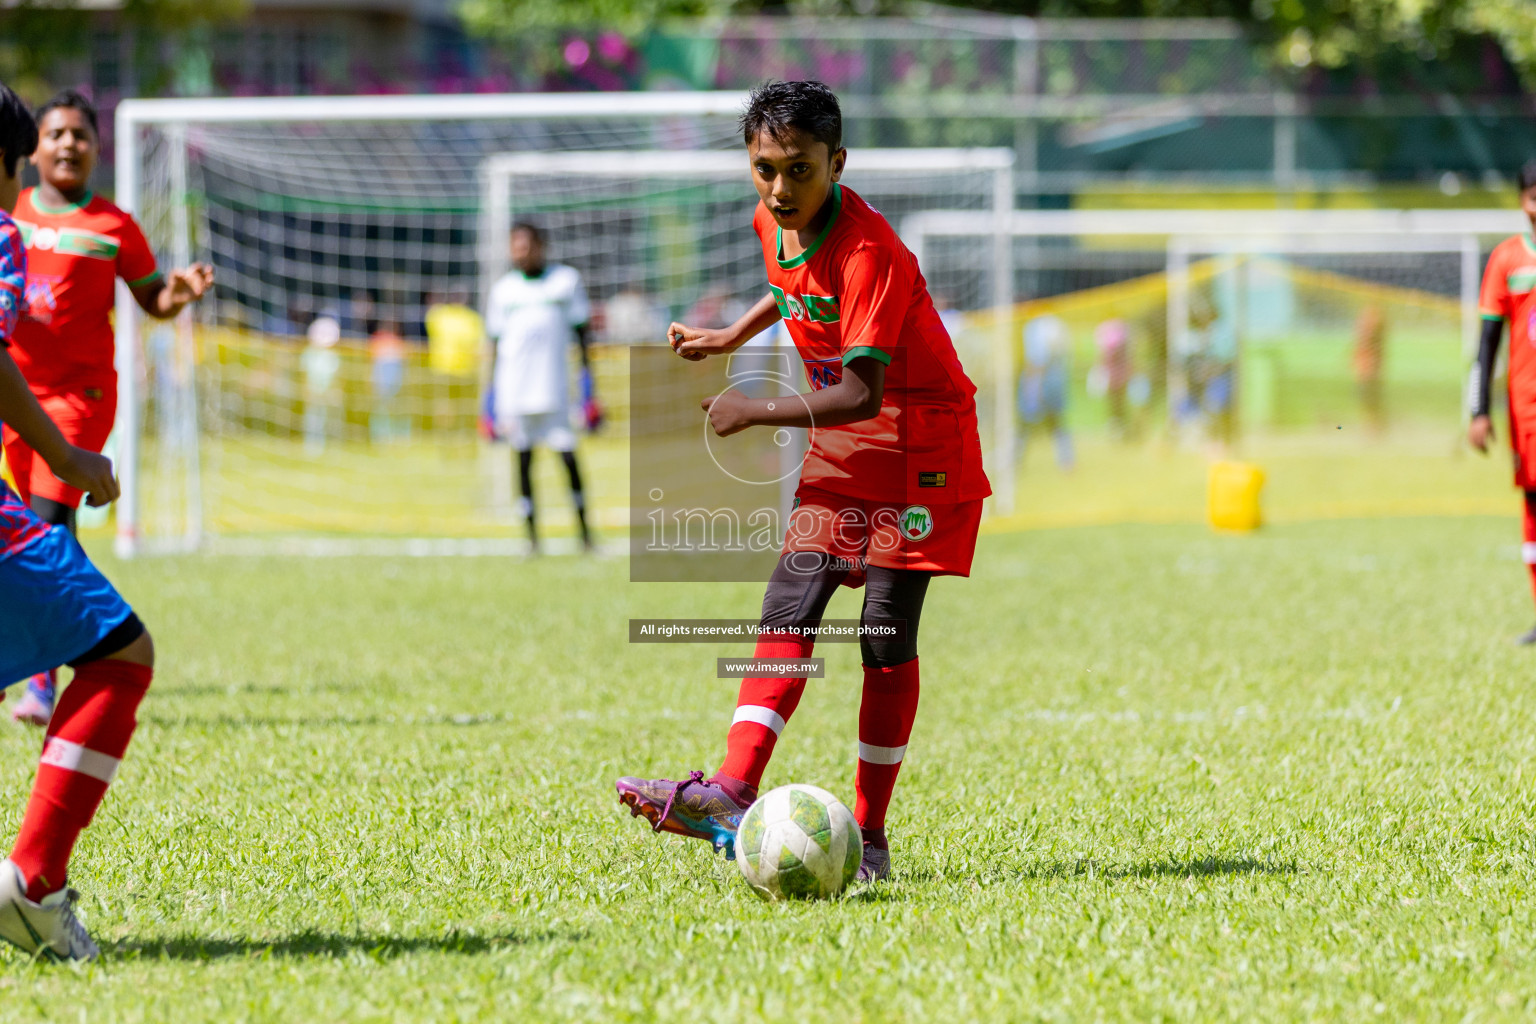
(534, 321)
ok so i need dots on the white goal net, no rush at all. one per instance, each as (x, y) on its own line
(1205, 329)
(246, 426)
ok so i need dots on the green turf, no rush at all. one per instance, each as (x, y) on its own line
(1158, 774)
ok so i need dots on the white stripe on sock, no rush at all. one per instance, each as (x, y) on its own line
(72, 757)
(1528, 552)
(872, 754)
(759, 714)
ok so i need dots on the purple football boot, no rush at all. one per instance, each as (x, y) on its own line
(696, 807)
(876, 863)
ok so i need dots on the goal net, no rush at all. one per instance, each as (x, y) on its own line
(323, 400)
(1226, 332)
(665, 237)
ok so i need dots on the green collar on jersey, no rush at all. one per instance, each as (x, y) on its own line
(80, 204)
(810, 250)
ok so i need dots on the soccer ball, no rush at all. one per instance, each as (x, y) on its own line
(798, 842)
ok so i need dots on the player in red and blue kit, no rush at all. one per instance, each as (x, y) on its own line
(891, 490)
(78, 245)
(56, 609)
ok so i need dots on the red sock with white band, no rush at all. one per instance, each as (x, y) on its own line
(886, 713)
(86, 740)
(763, 705)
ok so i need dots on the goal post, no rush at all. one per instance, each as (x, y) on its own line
(158, 141)
(1288, 288)
(239, 425)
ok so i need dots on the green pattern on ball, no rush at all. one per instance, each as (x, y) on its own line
(749, 838)
(812, 817)
(795, 879)
(851, 860)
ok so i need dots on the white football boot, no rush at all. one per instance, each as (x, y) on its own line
(47, 929)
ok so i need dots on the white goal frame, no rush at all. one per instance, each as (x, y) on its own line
(175, 117)
(1226, 232)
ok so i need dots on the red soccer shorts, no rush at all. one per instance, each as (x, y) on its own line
(933, 537)
(85, 417)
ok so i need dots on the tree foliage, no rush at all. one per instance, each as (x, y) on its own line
(514, 20)
(1334, 33)
(1301, 33)
(40, 40)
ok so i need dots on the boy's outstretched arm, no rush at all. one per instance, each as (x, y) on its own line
(81, 469)
(853, 399)
(1480, 429)
(164, 297)
(695, 343)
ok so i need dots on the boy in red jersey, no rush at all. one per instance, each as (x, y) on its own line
(1509, 282)
(78, 244)
(891, 490)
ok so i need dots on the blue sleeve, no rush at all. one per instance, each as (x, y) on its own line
(13, 278)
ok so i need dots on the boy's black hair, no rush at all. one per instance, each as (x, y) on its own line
(1527, 175)
(781, 108)
(71, 99)
(18, 132)
(534, 231)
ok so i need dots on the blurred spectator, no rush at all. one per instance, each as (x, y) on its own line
(386, 353)
(1209, 362)
(1111, 375)
(1369, 358)
(322, 398)
(455, 337)
(1043, 385)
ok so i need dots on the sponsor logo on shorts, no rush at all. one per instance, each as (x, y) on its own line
(916, 522)
(930, 479)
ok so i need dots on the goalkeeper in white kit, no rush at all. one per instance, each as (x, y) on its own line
(534, 313)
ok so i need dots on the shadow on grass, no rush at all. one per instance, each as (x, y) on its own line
(255, 689)
(333, 945)
(1087, 867)
(319, 721)
(1191, 867)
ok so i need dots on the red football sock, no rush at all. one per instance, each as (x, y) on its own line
(86, 740)
(762, 707)
(886, 713)
(1528, 549)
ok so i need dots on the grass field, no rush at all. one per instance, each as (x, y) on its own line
(1158, 774)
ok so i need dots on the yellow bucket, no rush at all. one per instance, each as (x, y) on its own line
(1233, 496)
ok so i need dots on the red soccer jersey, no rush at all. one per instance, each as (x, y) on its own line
(1508, 284)
(74, 256)
(857, 291)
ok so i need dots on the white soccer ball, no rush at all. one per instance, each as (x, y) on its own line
(800, 842)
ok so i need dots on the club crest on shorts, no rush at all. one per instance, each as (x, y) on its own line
(916, 522)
